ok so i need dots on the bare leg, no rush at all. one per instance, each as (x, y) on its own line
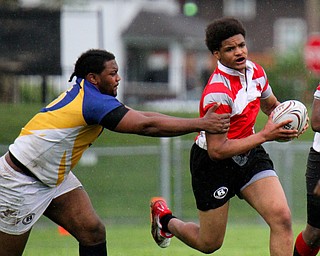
(13, 245)
(206, 237)
(268, 198)
(74, 212)
(312, 236)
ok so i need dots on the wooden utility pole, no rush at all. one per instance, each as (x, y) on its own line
(312, 16)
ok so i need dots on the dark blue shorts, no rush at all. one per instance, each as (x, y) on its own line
(214, 182)
(312, 177)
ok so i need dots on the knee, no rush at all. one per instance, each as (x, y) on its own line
(281, 217)
(210, 247)
(98, 230)
(92, 233)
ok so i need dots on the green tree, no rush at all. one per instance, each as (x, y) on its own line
(290, 79)
(9, 3)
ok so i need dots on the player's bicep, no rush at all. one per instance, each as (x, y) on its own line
(131, 122)
(267, 105)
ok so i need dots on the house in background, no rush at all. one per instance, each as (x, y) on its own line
(272, 25)
(159, 44)
(166, 55)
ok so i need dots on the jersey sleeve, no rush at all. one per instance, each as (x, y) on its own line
(111, 120)
(214, 93)
(317, 93)
(97, 105)
(266, 90)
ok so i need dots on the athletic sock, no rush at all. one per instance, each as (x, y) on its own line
(95, 250)
(164, 221)
(302, 249)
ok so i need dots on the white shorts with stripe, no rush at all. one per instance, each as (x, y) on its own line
(24, 199)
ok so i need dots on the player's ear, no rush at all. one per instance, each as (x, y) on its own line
(92, 78)
(216, 54)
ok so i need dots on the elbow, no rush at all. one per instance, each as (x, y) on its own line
(315, 127)
(315, 123)
(214, 155)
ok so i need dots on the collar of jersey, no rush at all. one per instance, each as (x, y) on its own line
(81, 81)
(233, 72)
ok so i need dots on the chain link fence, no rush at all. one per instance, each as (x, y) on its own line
(121, 180)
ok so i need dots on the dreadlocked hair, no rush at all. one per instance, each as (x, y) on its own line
(91, 61)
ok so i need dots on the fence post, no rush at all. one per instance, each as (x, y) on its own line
(165, 181)
(177, 169)
(287, 170)
(44, 89)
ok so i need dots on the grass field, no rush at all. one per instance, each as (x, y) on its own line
(124, 240)
(120, 188)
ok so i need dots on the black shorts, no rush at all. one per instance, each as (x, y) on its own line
(214, 182)
(312, 177)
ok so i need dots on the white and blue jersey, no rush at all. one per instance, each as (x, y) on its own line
(53, 141)
(316, 140)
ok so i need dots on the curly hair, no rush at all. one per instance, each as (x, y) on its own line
(222, 29)
(91, 61)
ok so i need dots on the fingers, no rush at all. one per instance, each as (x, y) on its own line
(218, 126)
(287, 135)
(304, 128)
(220, 123)
(215, 106)
(225, 123)
(225, 129)
(283, 123)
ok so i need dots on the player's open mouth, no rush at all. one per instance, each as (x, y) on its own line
(240, 60)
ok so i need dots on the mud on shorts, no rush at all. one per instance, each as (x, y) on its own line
(214, 182)
(312, 177)
(24, 199)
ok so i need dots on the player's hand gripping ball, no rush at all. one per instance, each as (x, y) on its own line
(294, 110)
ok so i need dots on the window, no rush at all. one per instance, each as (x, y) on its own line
(157, 67)
(147, 65)
(289, 33)
(243, 9)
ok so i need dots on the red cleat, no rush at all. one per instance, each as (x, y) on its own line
(159, 209)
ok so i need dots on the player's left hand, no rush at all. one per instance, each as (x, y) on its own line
(218, 123)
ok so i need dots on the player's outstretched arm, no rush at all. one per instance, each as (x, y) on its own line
(159, 125)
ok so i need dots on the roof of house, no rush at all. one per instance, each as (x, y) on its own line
(160, 28)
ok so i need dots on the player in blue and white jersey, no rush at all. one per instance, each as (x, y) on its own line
(36, 175)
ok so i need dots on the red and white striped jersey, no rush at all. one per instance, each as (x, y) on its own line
(239, 95)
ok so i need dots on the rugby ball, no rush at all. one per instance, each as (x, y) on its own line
(294, 110)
